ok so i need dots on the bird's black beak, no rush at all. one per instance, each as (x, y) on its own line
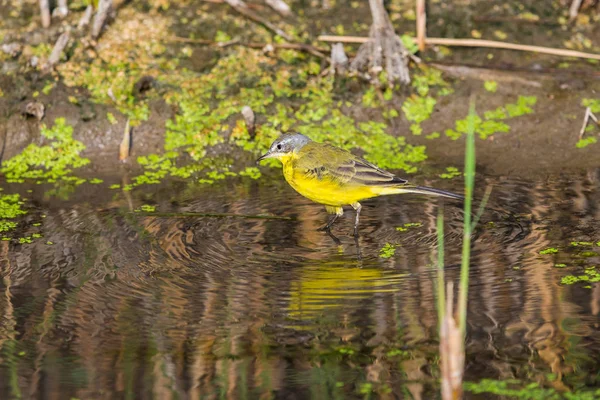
(266, 155)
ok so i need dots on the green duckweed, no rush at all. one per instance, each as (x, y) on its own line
(491, 123)
(418, 109)
(49, 163)
(590, 275)
(10, 207)
(451, 172)
(593, 104)
(550, 250)
(517, 389)
(586, 141)
(581, 244)
(408, 225)
(387, 251)
(490, 86)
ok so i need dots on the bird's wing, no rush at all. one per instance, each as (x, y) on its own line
(329, 162)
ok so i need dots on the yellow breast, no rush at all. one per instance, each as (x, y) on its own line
(323, 190)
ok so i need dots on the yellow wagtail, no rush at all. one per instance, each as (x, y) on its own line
(335, 177)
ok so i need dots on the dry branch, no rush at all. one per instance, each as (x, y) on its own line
(242, 8)
(280, 6)
(515, 19)
(475, 43)
(45, 11)
(57, 51)
(339, 59)
(318, 52)
(86, 17)
(61, 10)
(250, 120)
(574, 9)
(104, 7)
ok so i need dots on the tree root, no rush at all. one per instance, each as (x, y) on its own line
(383, 50)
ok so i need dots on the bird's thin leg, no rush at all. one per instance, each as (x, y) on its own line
(335, 239)
(358, 252)
(356, 207)
(327, 227)
(337, 212)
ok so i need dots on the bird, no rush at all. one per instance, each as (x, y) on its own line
(335, 177)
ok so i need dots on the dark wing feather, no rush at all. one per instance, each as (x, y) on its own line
(340, 165)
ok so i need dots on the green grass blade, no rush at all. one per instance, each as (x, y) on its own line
(441, 295)
(466, 250)
(484, 201)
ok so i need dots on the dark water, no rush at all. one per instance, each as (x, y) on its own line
(165, 304)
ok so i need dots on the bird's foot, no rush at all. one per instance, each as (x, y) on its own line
(325, 228)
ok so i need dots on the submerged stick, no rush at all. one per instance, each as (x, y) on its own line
(125, 143)
(452, 352)
(210, 215)
(475, 43)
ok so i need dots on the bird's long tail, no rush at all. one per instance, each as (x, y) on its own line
(431, 191)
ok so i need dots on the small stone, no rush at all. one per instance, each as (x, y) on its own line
(12, 49)
(35, 109)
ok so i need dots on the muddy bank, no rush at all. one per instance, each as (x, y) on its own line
(543, 143)
(153, 66)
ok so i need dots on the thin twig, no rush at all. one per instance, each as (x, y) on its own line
(86, 17)
(253, 6)
(250, 120)
(45, 11)
(189, 40)
(486, 74)
(57, 51)
(586, 118)
(104, 7)
(318, 52)
(475, 43)
(243, 9)
(458, 66)
(61, 10)
(482, 204)
(574, 10)
(452, 351)
(421, 24)
(125, 146)
(280, 6)
(515, 19)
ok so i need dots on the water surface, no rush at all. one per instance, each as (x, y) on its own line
(168, 304)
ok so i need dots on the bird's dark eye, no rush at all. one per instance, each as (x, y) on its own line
(278, 147)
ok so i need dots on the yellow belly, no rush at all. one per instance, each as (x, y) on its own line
(324, 191)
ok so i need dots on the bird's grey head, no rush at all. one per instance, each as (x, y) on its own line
(284, 145)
